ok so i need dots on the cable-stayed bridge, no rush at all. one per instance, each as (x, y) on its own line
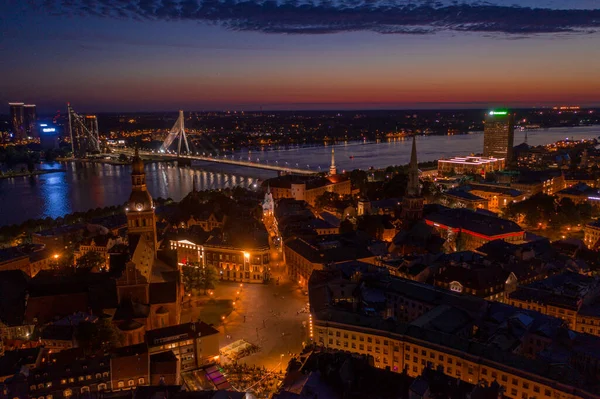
(177, 134)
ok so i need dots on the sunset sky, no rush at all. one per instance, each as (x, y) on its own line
(147, 55)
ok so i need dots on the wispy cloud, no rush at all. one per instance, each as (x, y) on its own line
(415, 17)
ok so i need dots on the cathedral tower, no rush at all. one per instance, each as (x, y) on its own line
(412, 203)
(141, 220)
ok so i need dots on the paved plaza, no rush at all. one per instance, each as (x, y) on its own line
(271, 316)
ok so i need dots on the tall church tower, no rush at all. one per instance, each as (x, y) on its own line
(141, 220)
(332, 168)
(412, 203)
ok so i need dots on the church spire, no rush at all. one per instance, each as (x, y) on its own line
(332, 168)
(413, 188)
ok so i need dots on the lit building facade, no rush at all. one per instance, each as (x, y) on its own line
(404, 351)
(499, 135)
(194, 344)
(569, 296)
(308, 188)
(420, 326)
(591, 235)
(250, 265)
(237, 264)
(470, 165)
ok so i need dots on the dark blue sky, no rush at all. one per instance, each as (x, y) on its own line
(118, 55)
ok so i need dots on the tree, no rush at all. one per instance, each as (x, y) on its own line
(91, 260)
(191, 278)
(538, 209)
(123, 158)
(325, 200)
(101, 335)
(209, 277)
(197, 277)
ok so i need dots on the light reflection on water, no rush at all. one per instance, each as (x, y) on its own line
(84, 186)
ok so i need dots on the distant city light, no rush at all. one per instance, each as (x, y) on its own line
(498, 112)
(48, 130)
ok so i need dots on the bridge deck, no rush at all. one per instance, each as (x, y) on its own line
(247, 164)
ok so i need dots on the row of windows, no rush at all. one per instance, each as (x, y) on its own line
(130, 383)
(69, 380)
(427, 357)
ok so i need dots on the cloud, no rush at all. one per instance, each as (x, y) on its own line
(415, 17)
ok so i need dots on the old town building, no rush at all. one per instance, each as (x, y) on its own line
(408, 326)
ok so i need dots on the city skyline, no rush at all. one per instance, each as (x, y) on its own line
(199, 55)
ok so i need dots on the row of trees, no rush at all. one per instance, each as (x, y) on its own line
(543, 210)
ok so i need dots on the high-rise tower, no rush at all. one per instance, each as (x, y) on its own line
(332, 168)
(30, 121)
(17, 120)
(412, 203)
(141, 220)
(499, 135)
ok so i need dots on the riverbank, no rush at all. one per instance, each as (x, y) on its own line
(95, 185)
(11, 175)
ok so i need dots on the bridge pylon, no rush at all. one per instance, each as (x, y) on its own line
(177, 132)
(83, 130)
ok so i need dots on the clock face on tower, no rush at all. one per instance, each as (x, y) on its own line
(139, 206)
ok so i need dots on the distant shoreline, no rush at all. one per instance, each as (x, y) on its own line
(30, 174)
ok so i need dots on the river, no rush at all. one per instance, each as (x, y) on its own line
(85, 185)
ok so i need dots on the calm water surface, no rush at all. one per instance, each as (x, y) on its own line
(84, 186)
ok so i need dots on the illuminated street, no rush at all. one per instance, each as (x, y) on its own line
(267, 315)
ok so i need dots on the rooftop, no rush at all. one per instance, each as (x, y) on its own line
(568, 290)
(474, 222)
(579, 189)
(185, 331)
(595, 223)
(493, 188)
(463, 194)
(311, 182)
(330, 248)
